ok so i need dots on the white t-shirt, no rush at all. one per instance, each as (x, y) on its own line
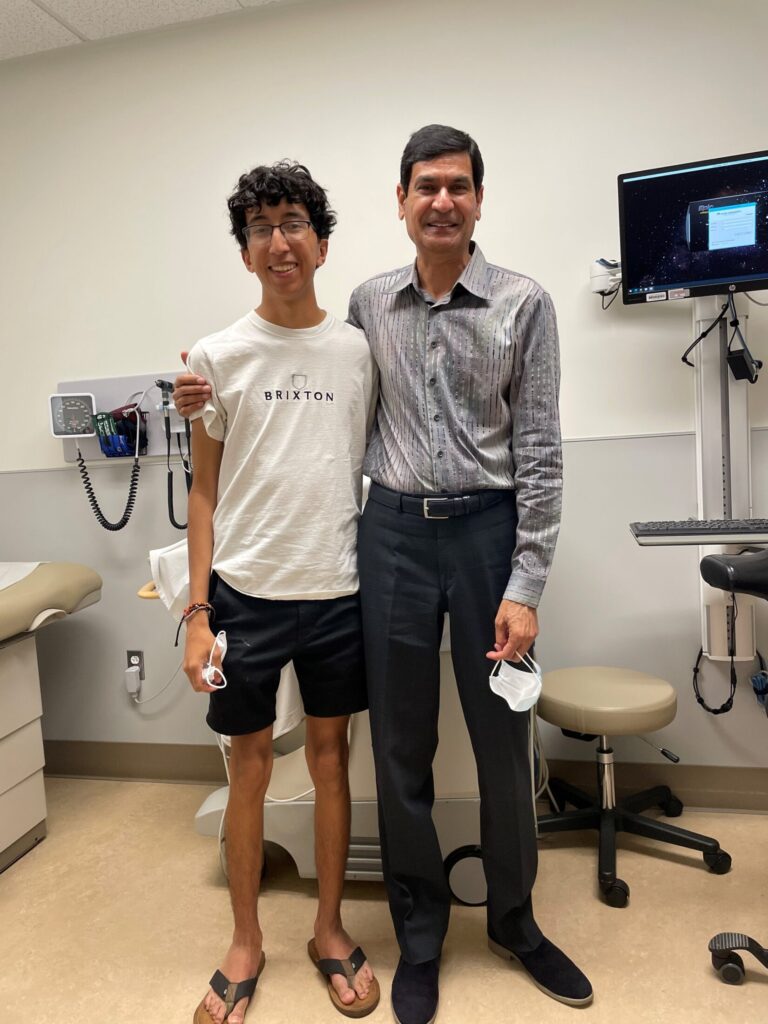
(293, 408)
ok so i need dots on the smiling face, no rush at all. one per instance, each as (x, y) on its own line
(284, 266)
(441, 206)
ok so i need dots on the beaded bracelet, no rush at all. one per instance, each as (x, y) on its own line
(189, 611)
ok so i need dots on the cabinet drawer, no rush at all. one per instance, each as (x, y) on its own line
(21, 755)
(19, 685)
(21, 808)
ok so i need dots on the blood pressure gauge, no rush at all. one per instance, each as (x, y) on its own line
(72, 415)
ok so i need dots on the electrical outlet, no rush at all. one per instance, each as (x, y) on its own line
(136, 658)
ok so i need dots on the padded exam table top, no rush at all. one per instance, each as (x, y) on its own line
(51, 591)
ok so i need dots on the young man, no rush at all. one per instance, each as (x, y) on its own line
(278, 451)
(462, 516)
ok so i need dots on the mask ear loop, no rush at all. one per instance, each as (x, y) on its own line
(528, 660)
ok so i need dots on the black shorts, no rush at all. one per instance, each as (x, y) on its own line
(323, 639)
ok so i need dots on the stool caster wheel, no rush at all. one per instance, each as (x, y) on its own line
(616, 894)
(672, 808)
(719, 863)
(729, 966)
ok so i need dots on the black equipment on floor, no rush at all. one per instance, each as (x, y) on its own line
(727, 962)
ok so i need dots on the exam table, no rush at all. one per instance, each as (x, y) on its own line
(31, 596)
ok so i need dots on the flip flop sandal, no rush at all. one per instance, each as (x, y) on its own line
(348, 968)
(231, 992)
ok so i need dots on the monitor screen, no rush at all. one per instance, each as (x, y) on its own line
(694, 229)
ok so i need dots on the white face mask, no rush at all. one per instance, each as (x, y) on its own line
(211, 674)
(519, 689)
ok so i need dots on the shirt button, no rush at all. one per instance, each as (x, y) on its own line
(436, 417)
(439, 455)
(433, 344)
(432, 380)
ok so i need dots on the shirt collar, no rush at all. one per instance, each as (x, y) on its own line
(474, 277)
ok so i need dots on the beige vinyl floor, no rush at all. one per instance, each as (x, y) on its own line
(121, 914)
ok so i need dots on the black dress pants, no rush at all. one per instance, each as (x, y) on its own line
(412, 571)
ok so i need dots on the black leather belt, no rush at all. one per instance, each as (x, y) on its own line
(436, 507)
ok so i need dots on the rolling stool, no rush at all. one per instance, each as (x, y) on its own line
(593, 704)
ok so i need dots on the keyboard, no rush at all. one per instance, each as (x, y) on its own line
(701, 531)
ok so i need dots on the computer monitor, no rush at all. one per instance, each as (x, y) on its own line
(694, 229)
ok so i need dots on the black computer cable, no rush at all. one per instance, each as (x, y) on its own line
(759, 682)
(718, 319)
(727, 704)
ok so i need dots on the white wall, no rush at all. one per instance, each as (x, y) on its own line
(115, 162)
(116, 159)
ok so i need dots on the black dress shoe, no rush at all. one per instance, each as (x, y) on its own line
(415, 991)
(551, 971)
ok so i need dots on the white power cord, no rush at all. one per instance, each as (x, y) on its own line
(539, 766)
(137, 700)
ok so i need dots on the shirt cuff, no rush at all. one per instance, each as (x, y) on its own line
(524, 590)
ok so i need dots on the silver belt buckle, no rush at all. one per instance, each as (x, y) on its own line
(426, 508)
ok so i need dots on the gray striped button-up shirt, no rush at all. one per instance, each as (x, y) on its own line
(469, 388)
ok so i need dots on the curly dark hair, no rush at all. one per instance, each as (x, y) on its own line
(436, 140)
(268, 185)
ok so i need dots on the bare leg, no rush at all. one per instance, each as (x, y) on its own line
(327, 753)
(250, 767)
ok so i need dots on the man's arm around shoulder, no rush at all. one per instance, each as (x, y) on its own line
(190, 391)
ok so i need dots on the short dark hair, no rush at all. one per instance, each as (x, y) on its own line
(435, 140)
(268, 186)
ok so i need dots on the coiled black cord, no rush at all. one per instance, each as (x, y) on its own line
(166, 389)
(727, 704)
(93, 502)
(171, 516)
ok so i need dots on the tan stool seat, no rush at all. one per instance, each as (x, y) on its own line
(606, 701)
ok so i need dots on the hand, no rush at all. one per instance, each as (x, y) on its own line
(190, 391)
(197, 651)
(517, 626)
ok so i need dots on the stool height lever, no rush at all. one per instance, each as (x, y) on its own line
(662, 750)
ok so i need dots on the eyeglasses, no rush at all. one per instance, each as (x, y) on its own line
(291, 230)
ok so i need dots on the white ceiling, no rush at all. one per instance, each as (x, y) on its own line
(31, 26)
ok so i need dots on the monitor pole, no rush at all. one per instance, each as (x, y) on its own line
(723, 474)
